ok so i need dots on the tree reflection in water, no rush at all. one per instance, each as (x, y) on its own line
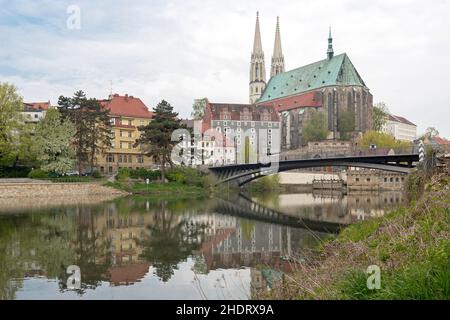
(169, 241)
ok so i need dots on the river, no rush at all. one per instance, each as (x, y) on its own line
(137, 248)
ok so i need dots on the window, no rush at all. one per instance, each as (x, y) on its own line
(125, 159)
(357, 179)
(110, 158)
(110, 169)
(130, 122)
(120, 158)
(130, 134)
(36, 116)
(112, 121)
(270, 124)
(130, 158)
(368, 179)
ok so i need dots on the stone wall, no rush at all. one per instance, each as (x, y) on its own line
(36, 190)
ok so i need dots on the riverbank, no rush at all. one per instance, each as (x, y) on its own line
(38, 189)
(169, 190)
(410, 245)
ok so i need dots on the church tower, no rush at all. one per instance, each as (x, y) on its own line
(277, 57)
(257, 66)
(330, 52)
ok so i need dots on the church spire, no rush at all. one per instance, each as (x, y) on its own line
(277, 57)
(257, 66)
(330, 51)
(257, 46)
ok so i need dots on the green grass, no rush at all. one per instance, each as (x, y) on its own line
(162, 190)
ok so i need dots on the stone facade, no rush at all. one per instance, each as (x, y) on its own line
(38, 190)
(372, 180)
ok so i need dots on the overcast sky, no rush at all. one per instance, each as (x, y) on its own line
(187, 49)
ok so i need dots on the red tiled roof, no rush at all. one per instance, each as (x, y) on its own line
(391, 117)
(441, 141)
(218, 110)
(37, 105)
(308, 99)
(127, 106)
(128, 274)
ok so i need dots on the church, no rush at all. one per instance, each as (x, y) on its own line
(331, 86)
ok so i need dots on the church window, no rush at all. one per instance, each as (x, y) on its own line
(330, 112)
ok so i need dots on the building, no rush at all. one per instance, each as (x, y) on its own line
(127, 114)
(35, 111)
(374, 180)
(332, 86)
(400, 128)
(241, 133)
(257, 65)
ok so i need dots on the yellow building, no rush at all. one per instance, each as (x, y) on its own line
(127, 114)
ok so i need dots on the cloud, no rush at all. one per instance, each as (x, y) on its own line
(182, 50)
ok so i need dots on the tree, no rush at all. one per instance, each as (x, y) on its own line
(11, 123)
(54, 136)
(92, 127)
(198, 108)
(431, 132)
(346, 124)
(380, 113)
(156, 136)
(100, 134)
(315, 128)
(381, 140)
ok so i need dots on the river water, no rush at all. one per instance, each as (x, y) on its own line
(137, 248)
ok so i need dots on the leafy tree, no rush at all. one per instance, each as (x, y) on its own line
(381, 140)
(92, 127)
(198, 108)
(156, 136)
(315, 128)
(431, 132)
(11, 123)
(346, 124)
(380, 113)
(53, 143)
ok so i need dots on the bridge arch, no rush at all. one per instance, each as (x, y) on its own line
(243, 174)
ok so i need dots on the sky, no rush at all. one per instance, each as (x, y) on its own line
(188, 49)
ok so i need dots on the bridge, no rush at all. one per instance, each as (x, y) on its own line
(241, 174)
(244, 207)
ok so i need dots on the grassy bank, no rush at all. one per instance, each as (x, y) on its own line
(161, 190)
(410, 245)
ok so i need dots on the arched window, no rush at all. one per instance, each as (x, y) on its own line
(256, 72)
(330, 112)
(350, 106)
(256, 89)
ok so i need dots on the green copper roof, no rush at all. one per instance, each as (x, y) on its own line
(336, 71)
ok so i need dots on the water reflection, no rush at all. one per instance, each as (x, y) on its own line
(133, 248)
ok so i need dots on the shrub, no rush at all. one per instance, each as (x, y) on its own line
(142, 173)
(9, 172)
(96, 174)
(267, 183)
(123, 174)
(38, 174)
(189, 176)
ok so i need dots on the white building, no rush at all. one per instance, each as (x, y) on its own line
(35, 111)
(400, 128)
